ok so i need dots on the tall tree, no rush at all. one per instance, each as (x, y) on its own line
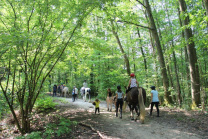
(192, 56)
(159, 51)
(36, 34)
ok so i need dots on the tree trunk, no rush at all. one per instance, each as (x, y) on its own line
(193, 65)
(178, 87)
(121, 48)
(206, 6)
(160, 53)
(143, 55)
(157, 81)
(186, 59)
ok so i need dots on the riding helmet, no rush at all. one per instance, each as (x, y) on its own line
(118, 87)
(152, 87)
(132, 74)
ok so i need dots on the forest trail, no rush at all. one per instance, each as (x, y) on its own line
(168, 126)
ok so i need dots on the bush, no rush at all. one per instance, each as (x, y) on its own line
(33, 135)
(5, 109)
(54, 130)
(44, 103)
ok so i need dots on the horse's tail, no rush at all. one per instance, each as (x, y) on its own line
(141, 105)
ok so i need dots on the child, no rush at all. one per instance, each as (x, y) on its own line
(119, 97)
(96, 103)
(154, 100)
(132, 82)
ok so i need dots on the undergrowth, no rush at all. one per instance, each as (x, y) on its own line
(52, 130)
(44, 103)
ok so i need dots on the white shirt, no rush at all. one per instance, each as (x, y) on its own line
(76, 91)
(85, 85)
(133, 83)
(120, 95)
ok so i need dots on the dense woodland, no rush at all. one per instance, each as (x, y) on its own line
(164, 42)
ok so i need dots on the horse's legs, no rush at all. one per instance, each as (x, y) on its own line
(85, 96)
(131, 110)
(137, 113)
(89, 97)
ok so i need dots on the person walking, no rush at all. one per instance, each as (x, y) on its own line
(76, 93)
(119, 97)
(154, 100)
(59, 90)
(73, 94)
(109, 100)
(54, 90)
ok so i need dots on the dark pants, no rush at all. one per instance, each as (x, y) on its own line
(97, 109)
(119, 103)
(54, 93)
(156, 105)
(73, 97)
(59, 92)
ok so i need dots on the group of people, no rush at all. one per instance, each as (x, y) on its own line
(120, 97)
(58, 89)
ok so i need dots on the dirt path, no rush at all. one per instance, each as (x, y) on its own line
(171, 124)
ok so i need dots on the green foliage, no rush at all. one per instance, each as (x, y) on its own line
(4, 109)
(33, 135)
(44, 103)
(54, 129)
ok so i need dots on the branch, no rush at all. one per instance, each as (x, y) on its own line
(128, 22)
(61, 53)
(141, 3)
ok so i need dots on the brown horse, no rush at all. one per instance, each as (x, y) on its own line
(136, 98)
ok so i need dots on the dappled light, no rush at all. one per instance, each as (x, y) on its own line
(104, 69)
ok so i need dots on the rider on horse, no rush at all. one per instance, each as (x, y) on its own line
(132, 82)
